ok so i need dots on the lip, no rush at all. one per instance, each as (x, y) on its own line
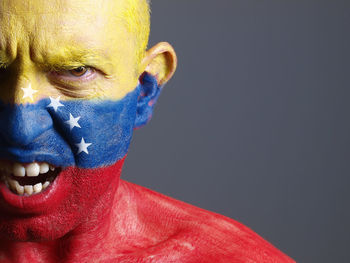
(37, 203)
(17, 155)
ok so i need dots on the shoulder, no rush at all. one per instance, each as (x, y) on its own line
(192, 234)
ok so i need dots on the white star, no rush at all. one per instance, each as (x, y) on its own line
(28, 92)
(83, 146)
(55, 103)
(73, 122)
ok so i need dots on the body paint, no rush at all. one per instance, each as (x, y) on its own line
(88, 139)
(82, 133)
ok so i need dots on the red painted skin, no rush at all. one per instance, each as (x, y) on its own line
(90, 215)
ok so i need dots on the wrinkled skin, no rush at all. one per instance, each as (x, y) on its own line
(91, 215)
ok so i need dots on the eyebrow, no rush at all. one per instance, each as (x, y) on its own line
(69, 59)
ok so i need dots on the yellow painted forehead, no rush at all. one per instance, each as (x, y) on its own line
(38, 22)
(106, 34)
(94, 15)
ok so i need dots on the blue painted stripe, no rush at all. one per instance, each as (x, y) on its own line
(36, 132)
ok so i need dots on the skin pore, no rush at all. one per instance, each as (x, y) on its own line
(90, 50)
(87, 52)
(59, 36)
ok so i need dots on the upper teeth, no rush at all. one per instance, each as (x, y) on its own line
(31, 170)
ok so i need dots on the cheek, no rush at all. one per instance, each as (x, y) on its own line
(98, 132)
(90, 173)
(75, 133)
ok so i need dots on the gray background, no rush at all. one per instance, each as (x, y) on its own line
(254, 125)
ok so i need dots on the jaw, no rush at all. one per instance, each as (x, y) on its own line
(71, 198)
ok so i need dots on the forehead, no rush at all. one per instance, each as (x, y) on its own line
(36, 16)
(40, 25)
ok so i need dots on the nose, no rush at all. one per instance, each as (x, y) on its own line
(22, 124)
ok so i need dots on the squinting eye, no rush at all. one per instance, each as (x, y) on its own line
(78, 72)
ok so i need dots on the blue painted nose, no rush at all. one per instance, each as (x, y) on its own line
(22, 124)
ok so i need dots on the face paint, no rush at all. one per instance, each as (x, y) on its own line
(86, 140)
(79, 126)
(82, 133)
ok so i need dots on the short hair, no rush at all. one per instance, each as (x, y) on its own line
(136, 15)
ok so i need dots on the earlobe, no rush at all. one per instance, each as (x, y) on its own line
(149, 93)
(158, 66)
(160, 61)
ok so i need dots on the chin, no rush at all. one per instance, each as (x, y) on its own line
(52, 201)
(36, 228)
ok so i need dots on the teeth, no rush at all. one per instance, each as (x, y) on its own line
(19, 170)
(37, 188)
(13, 184)
(32, 169)
(19, 189)
(44, 168)
(28, 189)
(46, 184)
(8, 170)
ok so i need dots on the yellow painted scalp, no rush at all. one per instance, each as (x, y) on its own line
(136, 15)
(41, 37)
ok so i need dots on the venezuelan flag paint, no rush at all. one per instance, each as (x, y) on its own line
(82, 133)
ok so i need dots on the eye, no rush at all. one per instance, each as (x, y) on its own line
(78, 72)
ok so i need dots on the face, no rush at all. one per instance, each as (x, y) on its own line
(68, 103)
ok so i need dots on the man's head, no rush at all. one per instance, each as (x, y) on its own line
(70, 99)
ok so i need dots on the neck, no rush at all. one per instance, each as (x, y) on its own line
(92, 237)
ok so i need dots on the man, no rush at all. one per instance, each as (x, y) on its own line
(76, 79)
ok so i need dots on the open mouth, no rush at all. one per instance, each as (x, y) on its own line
(28, 179)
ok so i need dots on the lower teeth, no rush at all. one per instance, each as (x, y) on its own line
(29, 190)
(30, 187)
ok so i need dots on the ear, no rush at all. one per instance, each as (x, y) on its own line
(158, 67)
(160, 61)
